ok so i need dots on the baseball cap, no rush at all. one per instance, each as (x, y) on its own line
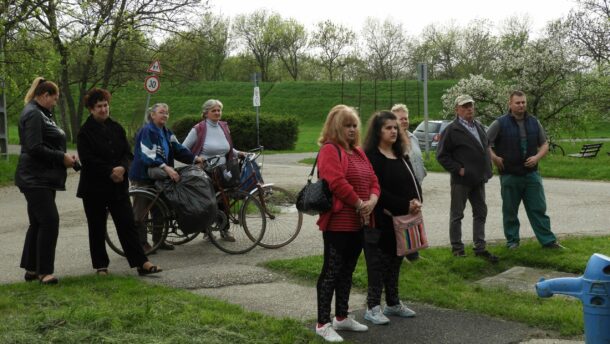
(463, 99)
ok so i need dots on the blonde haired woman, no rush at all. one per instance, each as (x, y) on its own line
(41, 171)
(352, 181)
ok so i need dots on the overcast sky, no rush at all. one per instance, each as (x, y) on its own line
(414, 15)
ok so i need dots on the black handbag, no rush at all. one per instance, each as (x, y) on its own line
(314, 198)
(228, 174)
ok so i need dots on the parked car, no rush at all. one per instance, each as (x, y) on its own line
(435, 128)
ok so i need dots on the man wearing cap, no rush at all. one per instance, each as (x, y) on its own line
(518, 142)
(464, 152)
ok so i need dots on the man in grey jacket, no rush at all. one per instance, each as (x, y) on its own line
(464, 152)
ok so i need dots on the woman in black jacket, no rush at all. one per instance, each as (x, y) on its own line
(41, 171)
(385, 146)
(105, 154)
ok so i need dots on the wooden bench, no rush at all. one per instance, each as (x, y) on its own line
(588, 151)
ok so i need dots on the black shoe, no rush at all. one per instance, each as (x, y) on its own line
(459, 253)
(488, 256)
(166, 246)
(554, 246)
(30, 276)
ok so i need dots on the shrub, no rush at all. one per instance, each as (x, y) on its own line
(276, 133)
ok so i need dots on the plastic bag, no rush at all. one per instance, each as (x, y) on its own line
(248, 183)
(192, 198)
(228, 173)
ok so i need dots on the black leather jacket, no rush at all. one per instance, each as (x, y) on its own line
(43, 144)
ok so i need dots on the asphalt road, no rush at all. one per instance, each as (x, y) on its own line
(575, 208)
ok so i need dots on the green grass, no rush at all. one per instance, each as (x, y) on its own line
(552, 165)
(442, 280)
(7, 169)
(124, 310)
(558, 166)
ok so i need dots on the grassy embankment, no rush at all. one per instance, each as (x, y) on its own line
(308, 101)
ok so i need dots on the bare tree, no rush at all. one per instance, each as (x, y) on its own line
(384, 48)
(334, 42)
(589, 30)
(515, 32)
(82, 27)
(259, 32)
(442, 45)
(477, 48)
(292, 41)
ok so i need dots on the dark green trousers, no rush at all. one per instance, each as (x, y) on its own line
(529, 189)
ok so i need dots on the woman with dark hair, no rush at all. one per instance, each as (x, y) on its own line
(105, 154)
(385, 146)
(41, 171)
(352, 181)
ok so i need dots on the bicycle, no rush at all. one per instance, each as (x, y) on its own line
(245, 223)
(555, 148)
(283, 220)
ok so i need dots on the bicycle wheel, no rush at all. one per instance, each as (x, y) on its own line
(155, 223)
(558, 148)
(283, 220)
(176, 236)
(246, 225)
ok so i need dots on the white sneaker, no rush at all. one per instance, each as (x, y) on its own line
(349, 324)
(376, 316)
(328, 333)
(399, 310)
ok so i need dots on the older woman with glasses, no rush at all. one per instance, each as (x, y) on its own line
(155, 150)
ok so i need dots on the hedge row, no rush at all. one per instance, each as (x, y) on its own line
(276, 133)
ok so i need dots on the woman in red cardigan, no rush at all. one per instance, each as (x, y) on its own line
(352, 181)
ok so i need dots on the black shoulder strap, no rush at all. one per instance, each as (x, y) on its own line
(315, 163)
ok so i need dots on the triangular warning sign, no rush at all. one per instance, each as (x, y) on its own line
(155, 67)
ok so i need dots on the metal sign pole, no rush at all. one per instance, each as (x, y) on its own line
(256, 102)
(423, 70)
(146, 108)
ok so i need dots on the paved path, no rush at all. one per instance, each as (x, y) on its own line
(575, 207)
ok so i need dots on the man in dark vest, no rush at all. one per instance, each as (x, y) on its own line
(518, 142)
(464, 152)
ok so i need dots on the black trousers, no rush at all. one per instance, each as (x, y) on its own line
(383, 269)
(97, 209)
(341, 252)
(41, 238)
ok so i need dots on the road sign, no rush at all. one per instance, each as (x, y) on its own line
(256, 99)
(155, 67)
(152, 84)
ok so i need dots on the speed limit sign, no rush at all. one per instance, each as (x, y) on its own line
(152, 84)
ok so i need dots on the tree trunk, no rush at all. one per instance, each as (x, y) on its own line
(114, 40)
(64, 79)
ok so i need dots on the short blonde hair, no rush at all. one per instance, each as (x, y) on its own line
(339, 116)
(400, 107)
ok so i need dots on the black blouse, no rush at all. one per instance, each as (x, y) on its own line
(398, 188)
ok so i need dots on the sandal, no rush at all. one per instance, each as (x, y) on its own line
(102, 272)
(30, 276)
(153, 269)
(52, 280)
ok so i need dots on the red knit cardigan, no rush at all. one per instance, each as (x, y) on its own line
(333, 169)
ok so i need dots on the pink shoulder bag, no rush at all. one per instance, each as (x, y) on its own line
(409, 229)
